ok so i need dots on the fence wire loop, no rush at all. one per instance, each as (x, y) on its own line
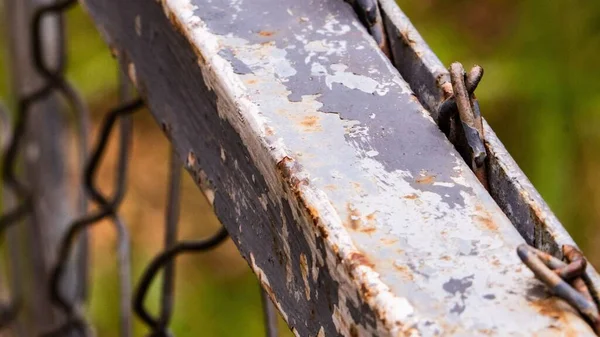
(108, 209)
(159, 326)
(563, 278)
(460, 119)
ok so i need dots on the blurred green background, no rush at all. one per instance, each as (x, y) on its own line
(540, 93)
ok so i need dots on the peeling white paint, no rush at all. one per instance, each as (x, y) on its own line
(412, 219)
(131, 73)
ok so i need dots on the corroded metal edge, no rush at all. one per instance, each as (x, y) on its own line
(509, 186)
(322, 261)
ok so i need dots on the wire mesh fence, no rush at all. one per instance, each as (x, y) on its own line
(68, 294)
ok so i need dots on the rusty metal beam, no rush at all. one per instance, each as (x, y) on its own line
(355, 212)
(509, 186)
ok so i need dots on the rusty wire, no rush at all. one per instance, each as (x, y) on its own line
(462, 108)
(564, 279)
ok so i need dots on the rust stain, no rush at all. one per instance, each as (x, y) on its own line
(406, 272)
(487, 222)
(353, 217)
(269, 131)
(412, 196)
(425, 179)
(360, 259)
(389, 241)
(251, 81)
(405, 35)
(557, 310)
(331, 187)
(446, 258)
(311, 124)
(368, 230)
(484, 218)
(289, 168)
(304, 272)
(266, 33)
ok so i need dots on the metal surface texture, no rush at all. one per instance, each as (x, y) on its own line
(508, 185)
(353, 209)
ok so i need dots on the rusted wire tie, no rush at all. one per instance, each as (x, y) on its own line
(464, 102)
(564, 280)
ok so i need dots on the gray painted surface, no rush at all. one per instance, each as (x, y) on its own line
(355, 212)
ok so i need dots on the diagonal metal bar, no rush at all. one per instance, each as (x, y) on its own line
(508, 185)
(352, 208)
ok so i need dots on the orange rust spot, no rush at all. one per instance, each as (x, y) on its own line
(551, 307)
(287, 166)
(353, 217)
(411, 196)
(368, 230)
(266, 33)
(487, 222)
(447, 89)
(331, 187)
(360, 259)
(388, 241)
(406, 272)
(251, 81)
(311, 123)
(371, 216)
(446, 258)
(425, 179)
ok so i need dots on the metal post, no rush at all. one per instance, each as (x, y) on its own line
(44, 162)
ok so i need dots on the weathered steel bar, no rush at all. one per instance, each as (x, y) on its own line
(355, 212)
(509, 186)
